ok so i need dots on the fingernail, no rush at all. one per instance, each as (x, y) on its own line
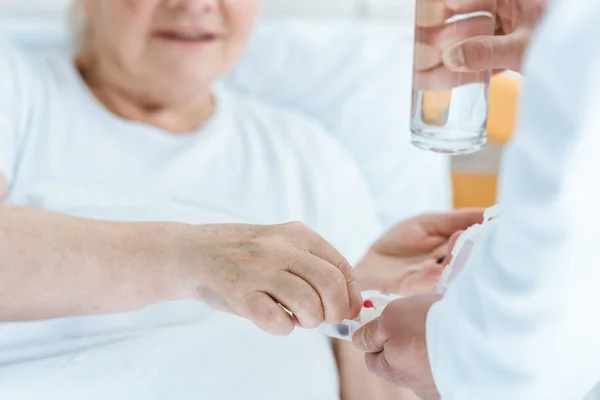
(454, 58)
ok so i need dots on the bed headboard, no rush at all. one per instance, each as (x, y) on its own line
(368, 9)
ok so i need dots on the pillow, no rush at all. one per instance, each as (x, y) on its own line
(353, 77)
(37, 34)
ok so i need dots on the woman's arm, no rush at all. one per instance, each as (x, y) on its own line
(53, 265)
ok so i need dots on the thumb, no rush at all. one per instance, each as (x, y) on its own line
(370, 338)
(487, 53)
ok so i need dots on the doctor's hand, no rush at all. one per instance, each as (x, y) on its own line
(471, 46)
(410, 258)
(252, 271)
(395, 345)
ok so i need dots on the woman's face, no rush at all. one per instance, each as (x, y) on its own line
(178, 42)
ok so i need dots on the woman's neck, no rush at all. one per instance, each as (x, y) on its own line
(171, 112)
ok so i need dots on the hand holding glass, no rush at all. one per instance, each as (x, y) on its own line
(450, 108)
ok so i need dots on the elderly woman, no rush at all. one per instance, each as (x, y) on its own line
(98, 302)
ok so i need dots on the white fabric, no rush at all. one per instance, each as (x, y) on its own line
(29, 8)
(11, 121)
(352, 77)
(250, 163)
(355, 78)
(271, 8)
(520, 322)
(400, 9)
(37, 33)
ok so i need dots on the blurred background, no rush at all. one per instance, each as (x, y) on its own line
(393, 9)
(473, 177)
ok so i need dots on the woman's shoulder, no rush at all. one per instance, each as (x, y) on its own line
(15, 59)
(9, 49)
(27, 71)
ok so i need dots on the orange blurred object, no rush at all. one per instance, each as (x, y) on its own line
(477, 187)
(504, 99)
(474, 190)
(435, 107)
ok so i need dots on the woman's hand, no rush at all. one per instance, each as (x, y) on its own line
(252, 271)
(410, 258)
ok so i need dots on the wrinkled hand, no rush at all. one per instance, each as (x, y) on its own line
(410, 258)
(252, 271)
(449, 55)
(396, 347)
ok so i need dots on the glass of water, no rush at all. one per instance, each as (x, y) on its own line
(449, 109)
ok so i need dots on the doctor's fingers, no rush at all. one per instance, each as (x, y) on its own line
(450, 247)
(436, 12)
(371, 338)
(489, 52)
(453, 239)
(423, 281)
(431, 42)
(384, 365)
(447, 224)
(404, 373)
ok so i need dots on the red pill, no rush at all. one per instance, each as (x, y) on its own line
(368, 304)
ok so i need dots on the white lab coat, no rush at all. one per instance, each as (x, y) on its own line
(521, 322)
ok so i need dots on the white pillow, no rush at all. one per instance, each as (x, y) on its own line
(353, 77)
(37, 34)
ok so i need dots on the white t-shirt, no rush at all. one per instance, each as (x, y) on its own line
(61, 150)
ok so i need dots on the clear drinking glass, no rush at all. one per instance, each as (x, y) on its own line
(449, 109)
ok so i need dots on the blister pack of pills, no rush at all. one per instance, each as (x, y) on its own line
(373, 305)
(375, 302)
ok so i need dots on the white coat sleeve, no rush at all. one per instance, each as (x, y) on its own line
(521, 321)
